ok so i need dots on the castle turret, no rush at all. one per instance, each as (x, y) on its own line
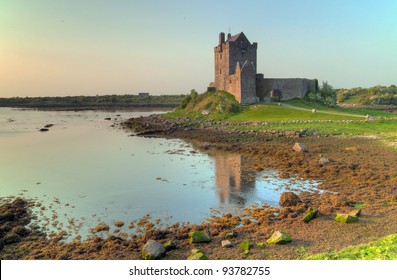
(221, 38)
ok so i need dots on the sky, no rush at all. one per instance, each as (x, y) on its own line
(90, 47)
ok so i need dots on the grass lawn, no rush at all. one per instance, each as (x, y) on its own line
(274, 113)
(382, 249)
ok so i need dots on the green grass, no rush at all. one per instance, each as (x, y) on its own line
(378, 128)
(304, 103)
(382, 249)
(274, 113)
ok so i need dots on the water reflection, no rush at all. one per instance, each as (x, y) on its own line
(234, 183)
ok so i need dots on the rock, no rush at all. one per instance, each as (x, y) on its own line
(311, 213)
(345, 218)
(314, 110)
(169, 245)
(205, 112)
(226, 244)
(197, 254)
(231, 234)
(261, 245)
(246, 246)
(198, 237)
(323, 160)
(153, 250)
(289, 199)
(21, 231)
(108, 119)
(298, 147)
(279, 237)
(355, 213)
(11, 238)
(49, 125)
(43, 129)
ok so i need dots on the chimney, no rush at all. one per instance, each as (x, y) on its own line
(221, 38)
(228, 36)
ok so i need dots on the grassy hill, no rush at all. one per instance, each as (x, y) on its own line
(378, 95)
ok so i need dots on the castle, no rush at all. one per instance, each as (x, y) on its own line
(236, 73)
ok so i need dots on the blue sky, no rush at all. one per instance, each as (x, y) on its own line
(76, 47)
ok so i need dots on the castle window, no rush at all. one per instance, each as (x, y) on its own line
(230, 81)
(242, 53)
(220, 71)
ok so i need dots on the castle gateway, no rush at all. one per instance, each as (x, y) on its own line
(236, 72)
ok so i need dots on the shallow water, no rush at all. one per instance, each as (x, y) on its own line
(85, 171)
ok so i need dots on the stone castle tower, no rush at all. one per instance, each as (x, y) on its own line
(236, 73)
(235, 67)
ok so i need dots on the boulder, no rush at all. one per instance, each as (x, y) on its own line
(198, 237)
(279, 237)
(289, 199)
(153, 250)
(311, 213)
(169, 245)
(345, 218)
(323, 160)
(246, 246)
(231, 234)
(298, 147)
(197, 254)
(226, 244)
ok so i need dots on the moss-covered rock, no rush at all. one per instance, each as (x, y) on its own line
(152, 250)
(197, 254)
(311, 213)
(279, 237)
(345, 218)
(261, 245)
(355, 212)
(198, 237)
(246, 246)
(169, 245)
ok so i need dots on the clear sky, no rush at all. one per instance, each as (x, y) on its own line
(88, 47)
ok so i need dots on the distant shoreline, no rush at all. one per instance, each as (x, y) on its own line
(74, 107)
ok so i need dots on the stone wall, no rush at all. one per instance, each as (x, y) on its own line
(289, 88)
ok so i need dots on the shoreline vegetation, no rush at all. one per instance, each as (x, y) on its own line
(350, 151)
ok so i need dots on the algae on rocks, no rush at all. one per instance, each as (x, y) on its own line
(198, 237)
(246, 246)
(311, 213)
(169, 245)
(346, 218)
(197, 254)
(279, 237)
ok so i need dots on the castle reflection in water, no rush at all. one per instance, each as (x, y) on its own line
(234, 183)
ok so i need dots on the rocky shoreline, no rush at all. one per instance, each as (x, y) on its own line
(357, 174)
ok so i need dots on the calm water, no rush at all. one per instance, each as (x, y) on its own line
(85, 170)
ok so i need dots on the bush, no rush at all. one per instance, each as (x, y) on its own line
(325, 96)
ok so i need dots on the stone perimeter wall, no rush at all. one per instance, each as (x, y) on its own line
(289, 88)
